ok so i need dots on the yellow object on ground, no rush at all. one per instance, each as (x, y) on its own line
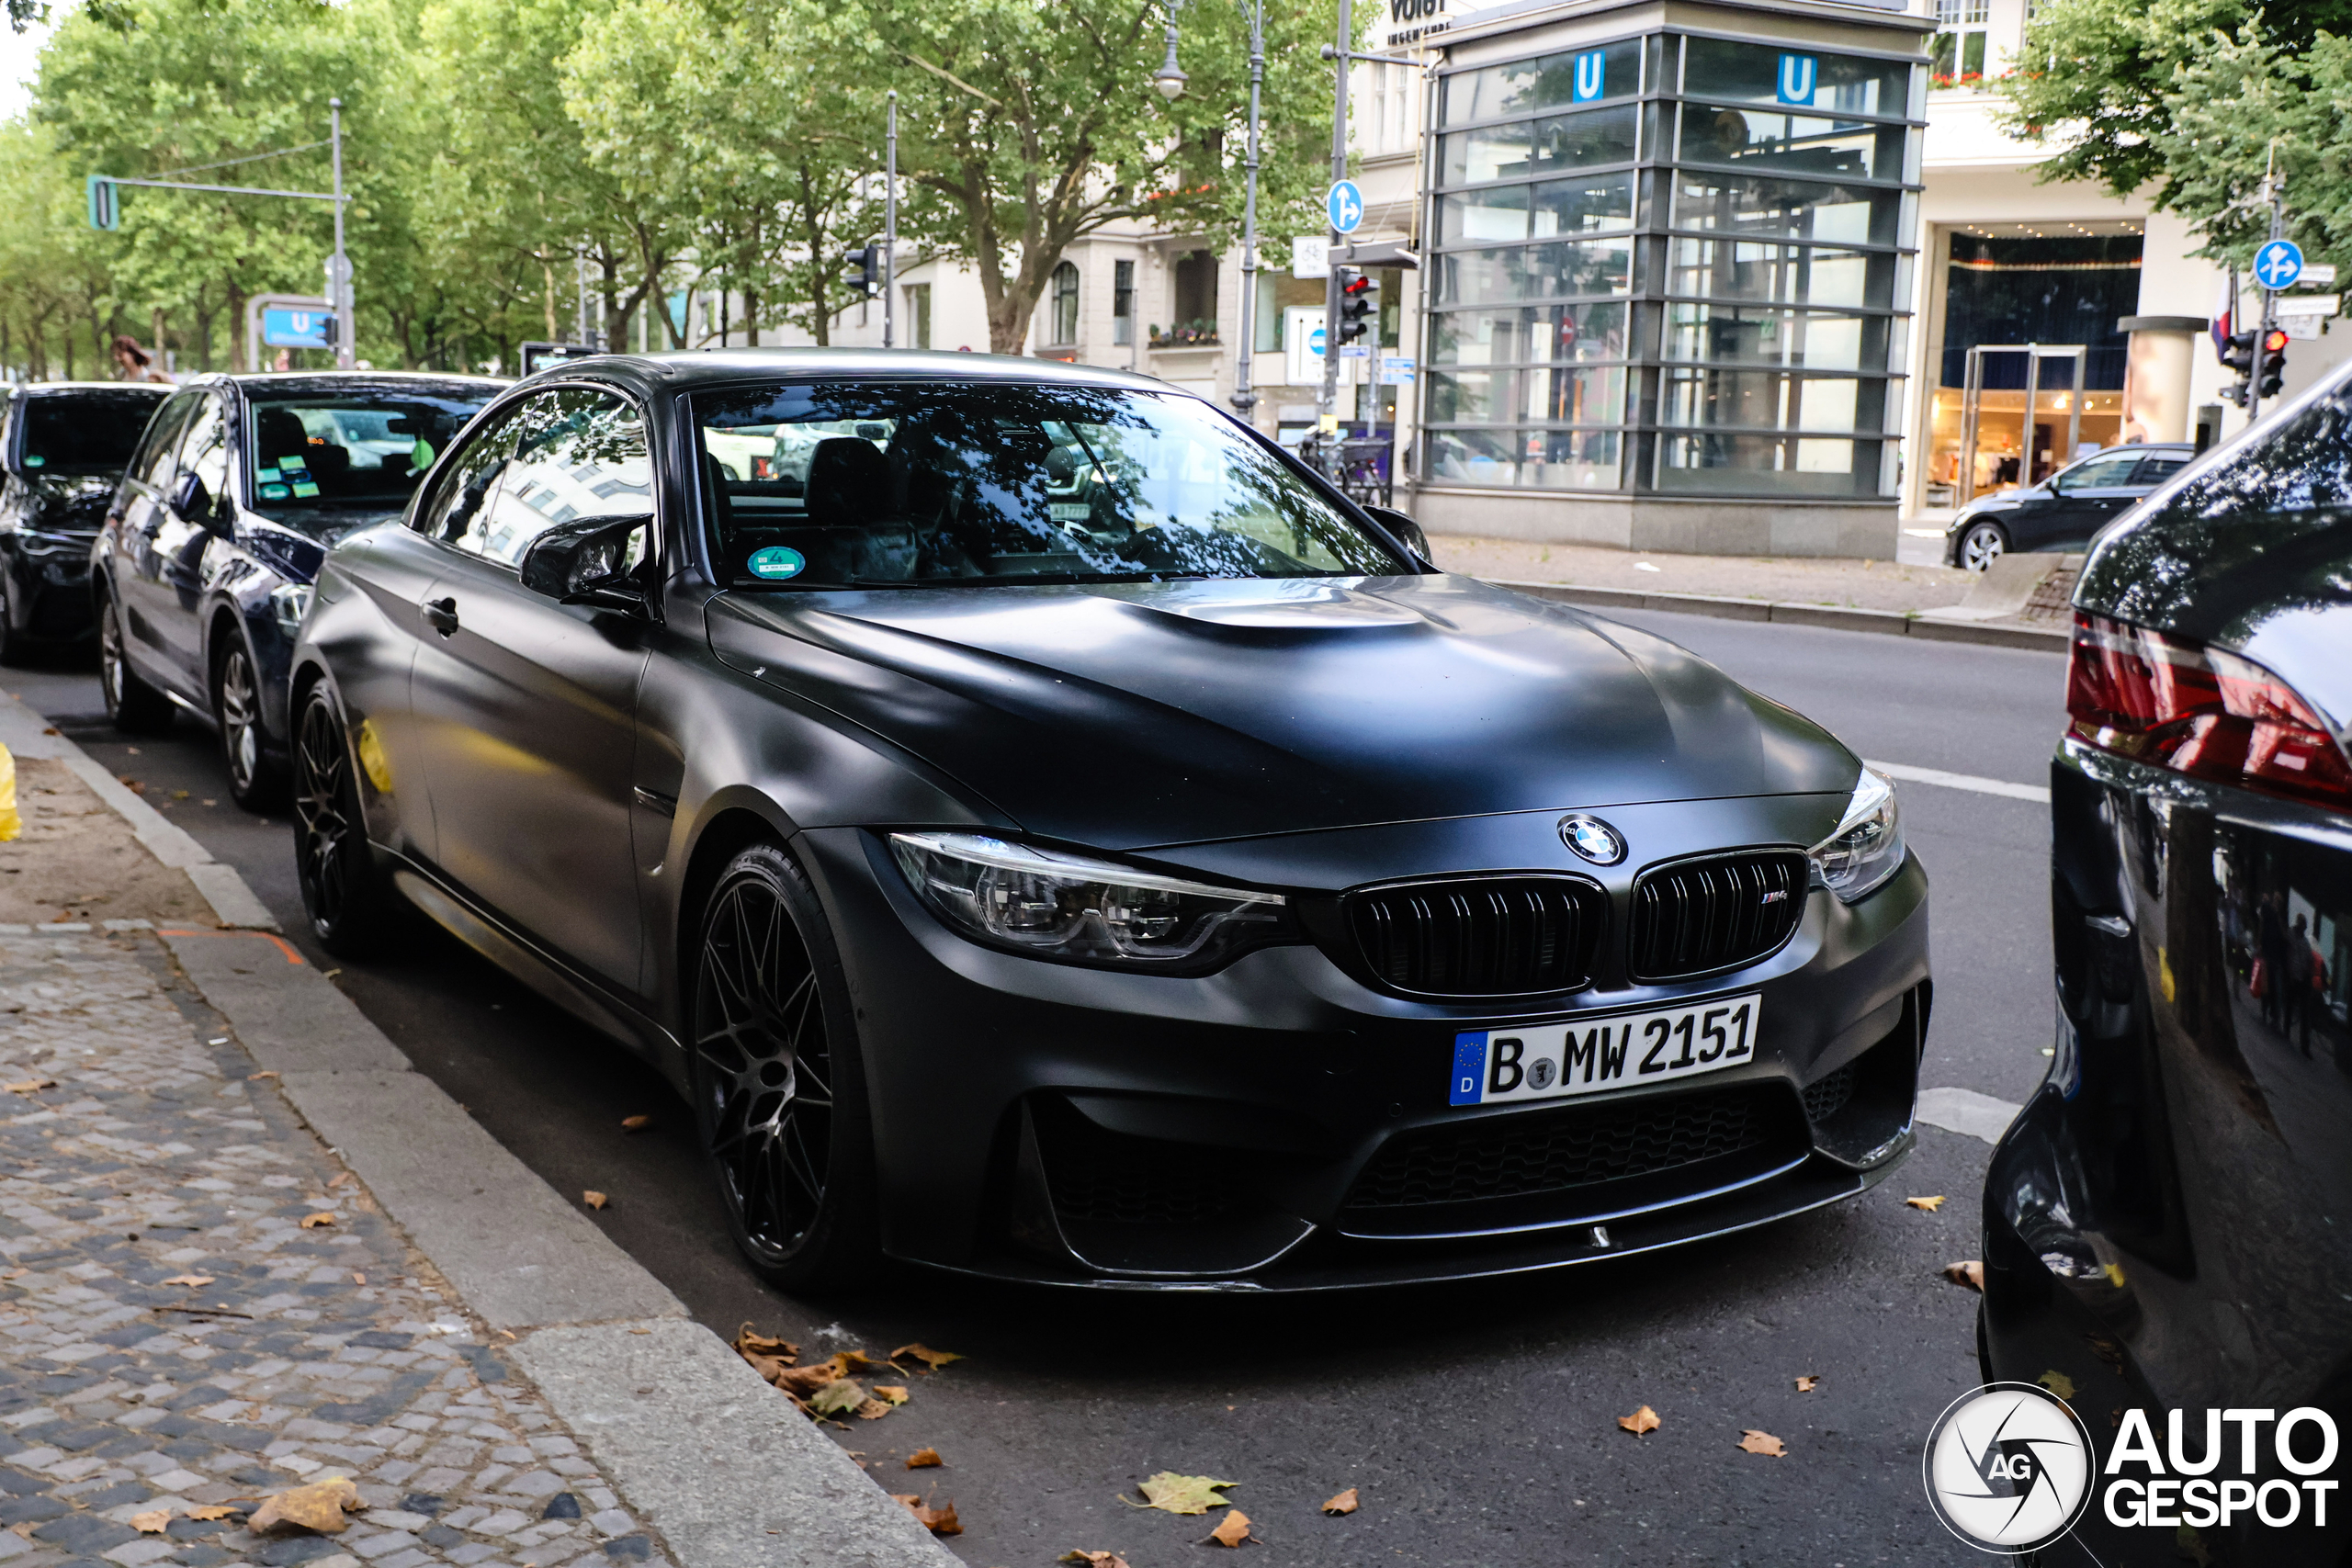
(10, 823)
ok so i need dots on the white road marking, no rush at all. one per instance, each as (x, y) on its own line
(1967, 1111)
(1943, 780)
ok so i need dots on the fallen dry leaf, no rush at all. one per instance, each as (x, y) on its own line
(270, 1074)
(2058, 1383)
(1174, 1494)
(874, 1409)
(1930, 1204)
(340, 1178)
(319, 1507)
(595, 1198)
(151, 1522)
(213, 1511)
(358, 1277)
(636, 1123)
(193, 1281)
(1758, 1442)
(837, 1397)
(30, 1086)
(749, 1342)
(845, 1362)
(312, 1222)
(1806, 1383)
(1094, 1559)
(938, 1521)
(1345, 1503)
(890, 1394)
(931, 1359)
(1233, 1530)
(1970, 1273)
(1640, 1421)
(924, 1459)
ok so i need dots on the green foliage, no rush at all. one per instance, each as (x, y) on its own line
(725, 145)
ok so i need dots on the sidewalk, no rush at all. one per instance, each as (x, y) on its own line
(243, 1246)
(1843, 584)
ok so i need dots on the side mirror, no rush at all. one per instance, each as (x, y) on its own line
(194, 503)
(1406, 531)
(586, 561)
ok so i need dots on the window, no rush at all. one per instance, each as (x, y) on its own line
(918, 314)
(1195, 297)
(152, 465)
(87, 433)
(1123, 303)
(351, 444)
(2104, 472)
(1062, 306)
(576, 454)
(1959, 55)
(463, 484)
(992, 482)
(204, 451)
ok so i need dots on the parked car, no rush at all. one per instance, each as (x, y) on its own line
(1063, 838)
(2168, 1221)
(203, 570)
(2065, 510)
(62, 448)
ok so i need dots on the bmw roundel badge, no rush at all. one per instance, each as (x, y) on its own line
(1594, 840)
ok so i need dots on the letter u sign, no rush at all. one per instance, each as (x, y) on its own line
(1797, 73)
(1593, 76)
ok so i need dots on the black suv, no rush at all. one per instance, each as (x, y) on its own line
(2063, 510)
(62, 447)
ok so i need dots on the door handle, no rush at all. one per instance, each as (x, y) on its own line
(441, 615)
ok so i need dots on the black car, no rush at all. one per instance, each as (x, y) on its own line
(2063, 510)
(200, 577)
(62, 448)
(1046, 831)
(2168, 1221)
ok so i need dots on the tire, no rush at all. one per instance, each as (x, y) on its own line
(136, 707)
(779, 1087)
(1982, 545)
(256, 782)
(13, 646)
(350, 903)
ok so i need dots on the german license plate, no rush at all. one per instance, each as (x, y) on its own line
(1587, 1056)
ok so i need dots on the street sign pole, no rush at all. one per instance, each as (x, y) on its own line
(1245, 395)
(1327, 405)
(2272, 271)
(340, 292)
(891, 227)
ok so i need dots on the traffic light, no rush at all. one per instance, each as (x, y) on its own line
(866, 269)
(106, 202)
(1359, 299)
(332, 330)
(2270, 369)
(2237, 354)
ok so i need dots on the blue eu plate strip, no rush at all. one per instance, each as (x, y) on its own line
(1469, 1068)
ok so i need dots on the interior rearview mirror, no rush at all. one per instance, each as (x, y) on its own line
(586, 561)
(1408, 532)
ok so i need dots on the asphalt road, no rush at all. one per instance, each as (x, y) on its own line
(1477, 1423)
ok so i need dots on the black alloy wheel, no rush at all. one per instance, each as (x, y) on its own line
(779, 1098)
(136, 707)
(255, 782)
(348, 902)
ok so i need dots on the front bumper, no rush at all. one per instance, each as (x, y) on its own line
(1270, 1126)
(49, 591)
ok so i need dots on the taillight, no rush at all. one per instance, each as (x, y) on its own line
(2199, 711)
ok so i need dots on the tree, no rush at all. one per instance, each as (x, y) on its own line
(2093, 77)
(2248, 104)
(1023, 127)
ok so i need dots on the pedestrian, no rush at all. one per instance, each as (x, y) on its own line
(2295, 985)
(2273, 935)
(133, 363)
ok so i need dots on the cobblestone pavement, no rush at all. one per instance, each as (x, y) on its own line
(178, 1329)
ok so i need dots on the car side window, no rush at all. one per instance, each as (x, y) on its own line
(577, 453)
(204, 451)
(153, 466)
(463, 488)
(2100, 473)
(2155, 470)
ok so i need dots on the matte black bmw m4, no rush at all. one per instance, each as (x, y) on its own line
(1047, 832)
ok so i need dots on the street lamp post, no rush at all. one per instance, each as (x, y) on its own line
(1170, 79)
(341, 265)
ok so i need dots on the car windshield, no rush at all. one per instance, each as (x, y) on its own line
(85, 433)
(863, 483)
(351, 446)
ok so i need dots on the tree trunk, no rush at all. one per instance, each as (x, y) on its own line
(547, 280)
(751, 318)
(235, 312)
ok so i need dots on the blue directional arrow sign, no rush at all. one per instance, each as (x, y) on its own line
(2278, 265)
(1345, 204)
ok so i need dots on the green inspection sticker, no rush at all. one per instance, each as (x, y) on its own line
(34, 459)
(292, 464)
(275, 492)
(305, 490)
(267, 476)
(776, 561)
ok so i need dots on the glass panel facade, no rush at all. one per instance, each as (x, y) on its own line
(1673, 265)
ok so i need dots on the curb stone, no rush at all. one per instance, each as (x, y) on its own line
(1888, 623)
(724, 1467)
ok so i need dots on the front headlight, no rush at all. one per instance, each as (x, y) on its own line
(1867, 848)
(42, 544)
(289, 602)
(1062, 906)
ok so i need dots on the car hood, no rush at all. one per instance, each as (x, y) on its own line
(1141, 715)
